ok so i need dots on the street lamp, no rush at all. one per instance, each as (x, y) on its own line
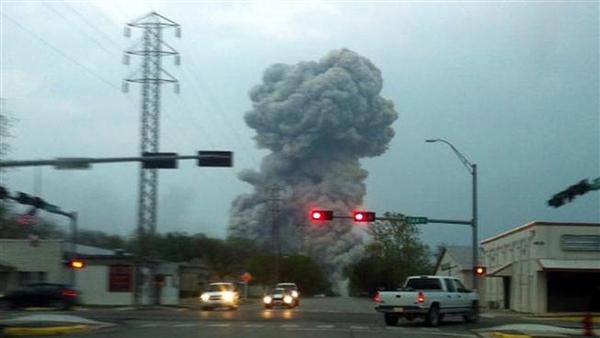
(472, 168)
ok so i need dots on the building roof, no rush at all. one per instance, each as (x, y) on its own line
(536, 223)
(462, 255)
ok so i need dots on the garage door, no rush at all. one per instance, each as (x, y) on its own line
(573, 291)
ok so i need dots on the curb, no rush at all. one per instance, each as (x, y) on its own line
(508, 335)
(43, 331)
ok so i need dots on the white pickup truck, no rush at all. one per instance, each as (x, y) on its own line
(428, 297)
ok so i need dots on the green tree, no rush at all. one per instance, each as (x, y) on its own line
(101, 239)
(300, 269)
(394, 253)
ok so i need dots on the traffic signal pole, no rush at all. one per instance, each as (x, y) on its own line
(53, 209)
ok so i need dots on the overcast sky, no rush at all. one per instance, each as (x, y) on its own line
(513, 85)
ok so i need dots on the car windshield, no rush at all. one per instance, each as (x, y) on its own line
(287, 286)
(220, 287)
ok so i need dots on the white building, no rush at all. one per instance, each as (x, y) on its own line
(108, 277)
(456, 261)
(543, 267)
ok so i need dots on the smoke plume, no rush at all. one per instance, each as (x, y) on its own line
(317, 119)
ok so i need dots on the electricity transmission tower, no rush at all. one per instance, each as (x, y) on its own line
(151, 76)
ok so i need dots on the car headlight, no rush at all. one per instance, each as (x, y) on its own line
(267, 299)
(228, 296)
(295, 294)
(288, 299)
(204, 297)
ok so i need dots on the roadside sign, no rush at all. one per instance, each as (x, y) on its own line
(26, 219)
(246, 277)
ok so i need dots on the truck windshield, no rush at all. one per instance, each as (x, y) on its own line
(424, 284)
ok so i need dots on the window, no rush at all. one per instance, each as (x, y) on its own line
(449, 285)
(459, 285)
(119, 278)
(424, 284)
(28, 277)
(580, 242)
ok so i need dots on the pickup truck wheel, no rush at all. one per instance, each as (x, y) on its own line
(391, 320)
(473, 316)
(433, 317)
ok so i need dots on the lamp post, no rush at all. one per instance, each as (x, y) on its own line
(472, 168)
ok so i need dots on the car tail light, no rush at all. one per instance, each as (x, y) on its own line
(68, 293)
(377, 298)
(420, 297)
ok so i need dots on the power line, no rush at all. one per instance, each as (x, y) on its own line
(85, 20)
(81, 32)
(58, 51)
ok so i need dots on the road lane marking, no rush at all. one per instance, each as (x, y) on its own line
(253, 325)
(127, 308)
(149, 325)
(357, 327)
(324, 326)
(288, 326)
(430, 329)
(218, 325)
(317, 329)
(186, 325)
(395, 328)
(446, 334)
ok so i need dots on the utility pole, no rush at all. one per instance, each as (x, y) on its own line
(150, 75)
(274, 200)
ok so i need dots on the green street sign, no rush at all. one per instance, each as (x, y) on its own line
(415, 220)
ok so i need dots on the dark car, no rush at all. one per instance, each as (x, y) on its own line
(58, 296)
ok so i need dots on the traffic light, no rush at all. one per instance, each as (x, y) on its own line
(571, 192)
(479, 270)
(321, 215)
(149, 163)
(75, 264)
(215, 158)
(364, 216)
(23, 198)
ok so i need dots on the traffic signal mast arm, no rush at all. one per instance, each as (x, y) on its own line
(573, 191)
(369, 216)
(205, 158)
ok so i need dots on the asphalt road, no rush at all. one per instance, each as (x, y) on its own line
(326, 317)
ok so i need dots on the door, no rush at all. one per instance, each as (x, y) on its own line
(464, 301)
(506, 286)
(451, 302)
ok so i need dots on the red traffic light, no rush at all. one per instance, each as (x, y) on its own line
(479, 271)
(364, 216)
(76, 264)
(321, 215)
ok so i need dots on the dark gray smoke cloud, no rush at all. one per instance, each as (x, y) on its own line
(317, 119)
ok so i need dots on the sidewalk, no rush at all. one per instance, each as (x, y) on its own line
(47, 324)
(528, 331)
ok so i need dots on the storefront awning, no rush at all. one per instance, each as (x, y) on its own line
(570, 265)
(503, 271)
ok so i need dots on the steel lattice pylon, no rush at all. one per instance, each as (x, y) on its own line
(150, 75)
